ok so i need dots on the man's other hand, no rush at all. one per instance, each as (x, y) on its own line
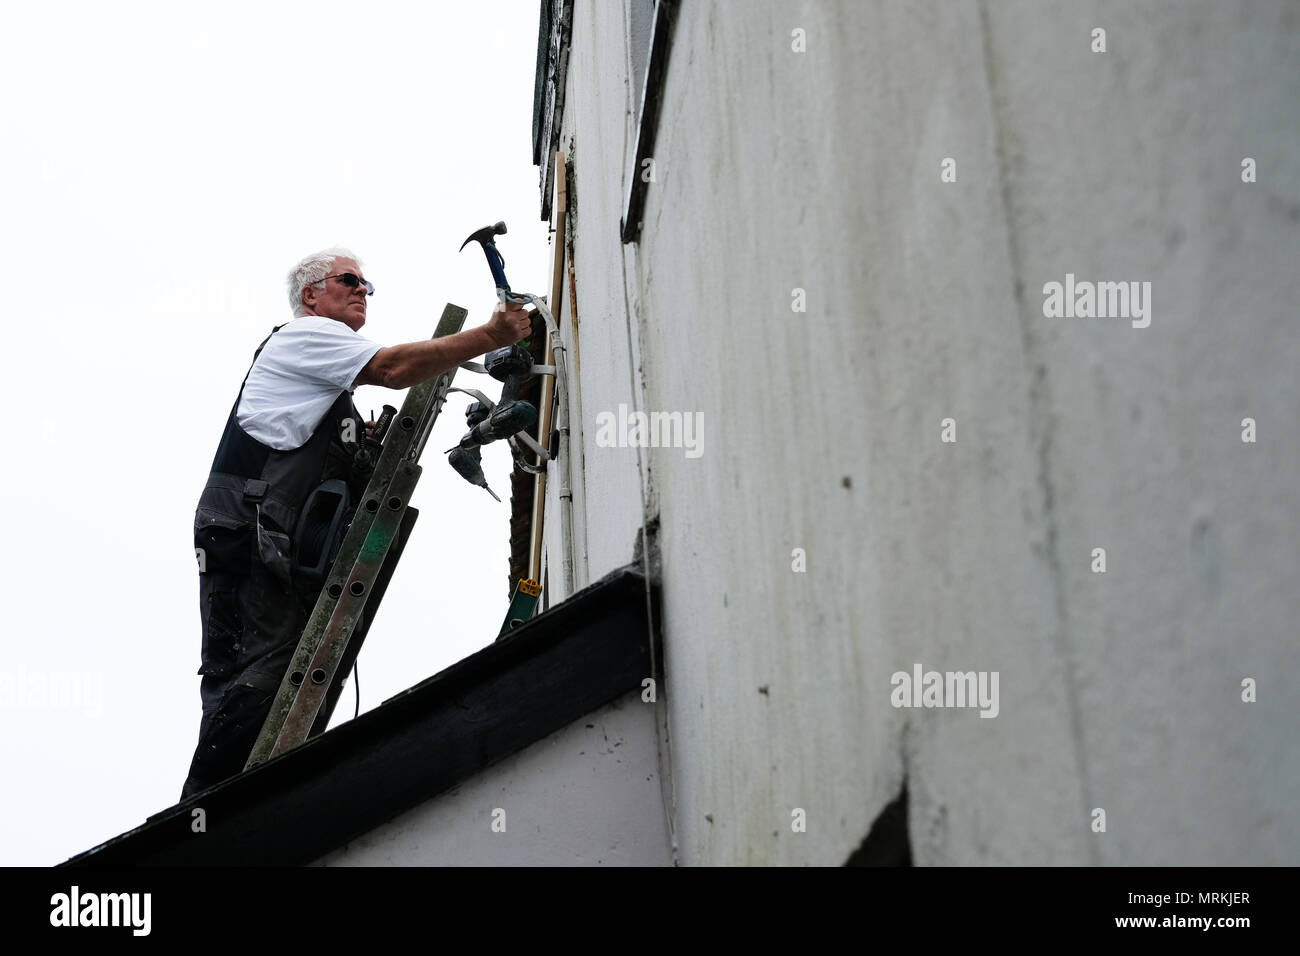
(507, 326)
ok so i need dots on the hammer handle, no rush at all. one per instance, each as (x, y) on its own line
(497, 265)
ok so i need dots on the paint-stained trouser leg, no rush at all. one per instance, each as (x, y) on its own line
(227, 734)
(251, 626)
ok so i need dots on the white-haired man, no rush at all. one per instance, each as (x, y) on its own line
(288, 433)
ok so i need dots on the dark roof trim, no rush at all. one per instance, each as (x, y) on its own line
(543, 74)
(651, 103)
(554, 33)
(563, 664)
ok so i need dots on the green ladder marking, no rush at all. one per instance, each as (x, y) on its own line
(522, 606)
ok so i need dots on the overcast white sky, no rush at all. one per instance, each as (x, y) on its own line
(162, 166)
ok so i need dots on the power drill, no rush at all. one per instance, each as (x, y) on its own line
(510, 366)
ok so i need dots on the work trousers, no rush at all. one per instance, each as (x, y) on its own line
(252, 616)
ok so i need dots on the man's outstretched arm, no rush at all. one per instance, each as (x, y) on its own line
(401, 366)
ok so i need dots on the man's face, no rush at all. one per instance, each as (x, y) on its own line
(337, 301)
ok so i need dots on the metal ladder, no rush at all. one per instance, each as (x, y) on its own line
(352, 590)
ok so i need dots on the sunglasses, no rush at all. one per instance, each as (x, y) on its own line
(352, 281)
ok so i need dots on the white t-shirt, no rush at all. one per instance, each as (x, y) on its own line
(298, 376)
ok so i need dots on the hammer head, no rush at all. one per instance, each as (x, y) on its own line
(486, 234)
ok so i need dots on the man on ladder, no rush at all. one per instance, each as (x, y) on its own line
(293, 427)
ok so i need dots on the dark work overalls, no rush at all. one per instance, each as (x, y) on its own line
(252, 601)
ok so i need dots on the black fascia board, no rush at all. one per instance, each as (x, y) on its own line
(566, 662)
(542, 73)
(652, 97)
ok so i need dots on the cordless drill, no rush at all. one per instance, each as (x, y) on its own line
(510, 366)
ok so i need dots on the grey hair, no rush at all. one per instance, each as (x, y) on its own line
(312, 270)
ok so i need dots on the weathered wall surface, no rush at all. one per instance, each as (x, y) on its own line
(779, 170)
(607, 502)
(587, 795)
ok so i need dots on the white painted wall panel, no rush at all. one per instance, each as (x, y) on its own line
(587, 795)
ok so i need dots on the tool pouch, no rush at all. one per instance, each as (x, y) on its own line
(322, 523)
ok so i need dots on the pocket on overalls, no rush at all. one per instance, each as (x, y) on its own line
(224, 547)
(274, 549)
(223, 626)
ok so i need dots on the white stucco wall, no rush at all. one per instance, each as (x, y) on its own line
(587, 795)
(819, 170)
(607, 505)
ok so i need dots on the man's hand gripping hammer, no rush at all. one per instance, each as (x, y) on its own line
(512, 365)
